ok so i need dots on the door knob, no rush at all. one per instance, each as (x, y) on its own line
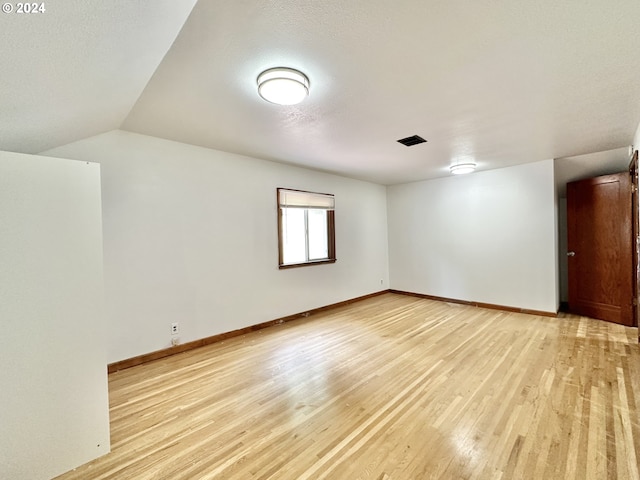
(571, 254)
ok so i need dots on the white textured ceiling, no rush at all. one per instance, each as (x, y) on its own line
(500, 81)
(77, 69)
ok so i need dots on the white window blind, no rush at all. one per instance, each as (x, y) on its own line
(297, 199)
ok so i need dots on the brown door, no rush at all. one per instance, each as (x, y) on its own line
(600, 248)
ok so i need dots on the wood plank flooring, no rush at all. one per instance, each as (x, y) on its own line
(390, 388)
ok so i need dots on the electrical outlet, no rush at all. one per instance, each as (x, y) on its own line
(174, 328)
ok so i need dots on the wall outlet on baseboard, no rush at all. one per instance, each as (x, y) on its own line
(174, 328)
(175, 341)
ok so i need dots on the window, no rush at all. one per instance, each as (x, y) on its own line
(306, 228)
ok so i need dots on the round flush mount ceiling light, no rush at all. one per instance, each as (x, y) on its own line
(283, 86)
(462, 168)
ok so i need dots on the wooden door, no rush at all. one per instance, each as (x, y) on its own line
(600, 248)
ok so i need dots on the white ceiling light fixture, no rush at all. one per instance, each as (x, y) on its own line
(462, 168)
(283, 86)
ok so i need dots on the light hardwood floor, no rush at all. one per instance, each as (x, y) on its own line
(392, 388)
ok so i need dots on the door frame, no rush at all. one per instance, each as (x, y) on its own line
(635, 226)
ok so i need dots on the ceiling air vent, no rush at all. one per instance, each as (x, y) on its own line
(411, 141)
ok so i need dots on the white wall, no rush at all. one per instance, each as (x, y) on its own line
(190, 236)
(563, 264)
(485, 237)
(53, 383)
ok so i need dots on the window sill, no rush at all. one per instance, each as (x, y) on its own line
(306, 264)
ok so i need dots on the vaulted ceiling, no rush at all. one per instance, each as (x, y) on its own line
(501, 82)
